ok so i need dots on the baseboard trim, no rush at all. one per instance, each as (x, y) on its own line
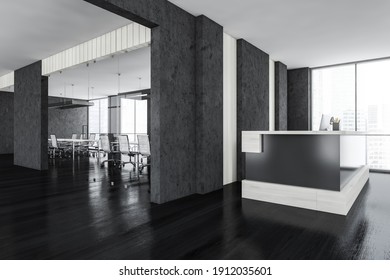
(314, 199)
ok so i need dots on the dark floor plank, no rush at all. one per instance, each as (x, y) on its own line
(73, 212)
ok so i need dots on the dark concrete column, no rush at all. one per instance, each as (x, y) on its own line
(298, 99)
(173, 169)
(209, 105)
(252, 94)
(173, 99)
(31, 117)
(175, 131)
(280, 96)
(6, 122)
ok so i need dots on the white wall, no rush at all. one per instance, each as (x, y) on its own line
(271, 95)
(229, 109)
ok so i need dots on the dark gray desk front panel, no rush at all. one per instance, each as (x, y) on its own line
(300, 160)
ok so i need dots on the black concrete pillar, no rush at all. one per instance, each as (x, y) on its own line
(173, 93)
(298, 99)
(31, 117)
(252, 94)
(280, 96)
(6, 122)
(186, 97)
(173, 111)
(209, 105)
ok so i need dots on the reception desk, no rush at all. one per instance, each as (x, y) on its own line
(317, 170)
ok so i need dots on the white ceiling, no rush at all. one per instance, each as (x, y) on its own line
(102, 77)
(299, 33)
(34, 30)
(304, 33)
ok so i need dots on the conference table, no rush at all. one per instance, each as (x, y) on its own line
(78, 141)
(115, 146)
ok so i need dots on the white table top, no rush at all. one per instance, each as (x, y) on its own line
(75, 140)
(356, 133)
(87, 140)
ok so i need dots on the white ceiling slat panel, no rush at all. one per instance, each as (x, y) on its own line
(107, 41)
(148, 35)
(136, 31)
(89, 50)
(94, 49)
(142, 34)
(124, 37)
(7, 80)
(103, 46)
(99, 47)
(118, 40)
(130, 36)
(113, 42)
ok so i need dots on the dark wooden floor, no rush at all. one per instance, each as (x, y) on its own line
(73, 212)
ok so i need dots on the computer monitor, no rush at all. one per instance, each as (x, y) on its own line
(326, 122)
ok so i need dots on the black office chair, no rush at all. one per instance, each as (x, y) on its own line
(56, 149)
(107, 148)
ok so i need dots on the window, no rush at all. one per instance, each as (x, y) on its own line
(134, 117)
(373, 92)
(98, 116)
(128, 118)
(373, 107)
(358, 94)
(141, 116)
(333, 94)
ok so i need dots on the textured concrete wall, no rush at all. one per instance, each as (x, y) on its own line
(280, 96)
(173, 103)
(209, 105)
(173, 108)
(298, 99)
(252, 94)
(31, 117)
(6, 123)
(63, 123)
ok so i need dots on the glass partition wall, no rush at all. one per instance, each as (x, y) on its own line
(133, 117)
(119, 86)
(359, 95)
